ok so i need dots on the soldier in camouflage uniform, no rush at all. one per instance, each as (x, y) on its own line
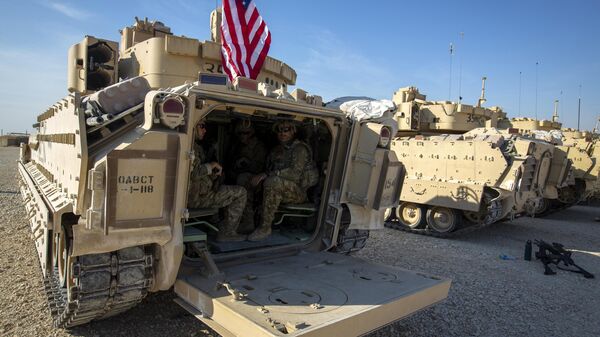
(248, 159)
(283, 179)
(204, 190)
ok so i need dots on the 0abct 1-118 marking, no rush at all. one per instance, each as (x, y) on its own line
(133, 184)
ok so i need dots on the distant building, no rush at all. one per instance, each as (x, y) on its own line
(13, 139)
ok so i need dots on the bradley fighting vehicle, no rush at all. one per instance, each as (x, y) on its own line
(462, 173)
(586, 142)
(571, 145)
(105, 183)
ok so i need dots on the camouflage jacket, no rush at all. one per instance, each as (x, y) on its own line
(249, 158)
(291, 162)
(201, 178)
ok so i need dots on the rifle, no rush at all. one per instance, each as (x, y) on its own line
(556, 253)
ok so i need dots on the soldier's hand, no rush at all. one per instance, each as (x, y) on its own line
(241, 163)
(257, 179)
(216, 168)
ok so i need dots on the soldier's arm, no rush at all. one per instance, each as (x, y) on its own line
(257, 164)
(299, 159)
(202, 169)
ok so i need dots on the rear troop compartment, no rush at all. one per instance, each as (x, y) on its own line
(294, 222)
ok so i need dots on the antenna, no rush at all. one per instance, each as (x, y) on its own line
(579, 108)
(460, 61)
(560, 99)
(536, 89)
(520, 73)
(482, 98)
(450, 82)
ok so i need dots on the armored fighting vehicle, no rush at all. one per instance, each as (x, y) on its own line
(585, 158)
(105, 183)
(579, 177)
(462, 173)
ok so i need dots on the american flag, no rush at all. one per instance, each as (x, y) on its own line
(245, 39)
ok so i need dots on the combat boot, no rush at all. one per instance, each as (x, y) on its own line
(230, 236)
(247, 223)
(260, 233)
(228, 233)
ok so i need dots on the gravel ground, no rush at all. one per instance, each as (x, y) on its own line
(489, 296)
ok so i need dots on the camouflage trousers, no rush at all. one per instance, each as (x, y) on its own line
(277, 190)
(247, 221)
(233, 198)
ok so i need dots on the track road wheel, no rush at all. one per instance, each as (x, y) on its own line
(543, 207)
(410, 215)
(389, 214)
(474, 217)
(442, 219)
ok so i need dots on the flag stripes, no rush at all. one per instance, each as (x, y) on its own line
(245, 39)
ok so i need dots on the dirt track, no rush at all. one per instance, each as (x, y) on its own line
(489, 296)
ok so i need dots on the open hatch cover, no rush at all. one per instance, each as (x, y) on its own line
(309, 294)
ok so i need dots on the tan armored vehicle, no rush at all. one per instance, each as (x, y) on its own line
(582, 173)
(586, 160)
(105, 183)
(462, 173)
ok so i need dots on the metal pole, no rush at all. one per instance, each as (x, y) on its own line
(536, 90)
(462, 36)
(450, 82)
(520, 93)
(579, 108)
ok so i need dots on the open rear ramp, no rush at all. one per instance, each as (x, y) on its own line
(308, 294)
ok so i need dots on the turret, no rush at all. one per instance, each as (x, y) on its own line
(151, 50)
(416, 114)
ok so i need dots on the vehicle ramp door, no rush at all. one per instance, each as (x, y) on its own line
(308, 294)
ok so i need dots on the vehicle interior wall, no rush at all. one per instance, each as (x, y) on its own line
(294, 223)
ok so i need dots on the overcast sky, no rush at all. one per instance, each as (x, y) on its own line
(340, 48)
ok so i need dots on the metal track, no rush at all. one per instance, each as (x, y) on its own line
(395, 224)
(351, 241)
(103, 285)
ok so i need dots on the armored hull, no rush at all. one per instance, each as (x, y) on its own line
(462, 172)
(460, 182)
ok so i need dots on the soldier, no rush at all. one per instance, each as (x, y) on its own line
(205, 190)
(290, 171)
(249, 153)
(249, 156)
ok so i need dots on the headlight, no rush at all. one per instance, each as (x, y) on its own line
(171, 111)
(385, 135)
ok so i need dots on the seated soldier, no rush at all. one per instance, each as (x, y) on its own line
(248, 159)
(205, 190)
(290, 171)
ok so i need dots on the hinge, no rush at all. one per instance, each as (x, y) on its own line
(95, 180)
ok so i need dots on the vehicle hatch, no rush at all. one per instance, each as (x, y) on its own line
(308, 294)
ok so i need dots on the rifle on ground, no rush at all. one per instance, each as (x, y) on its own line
(556, 253)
